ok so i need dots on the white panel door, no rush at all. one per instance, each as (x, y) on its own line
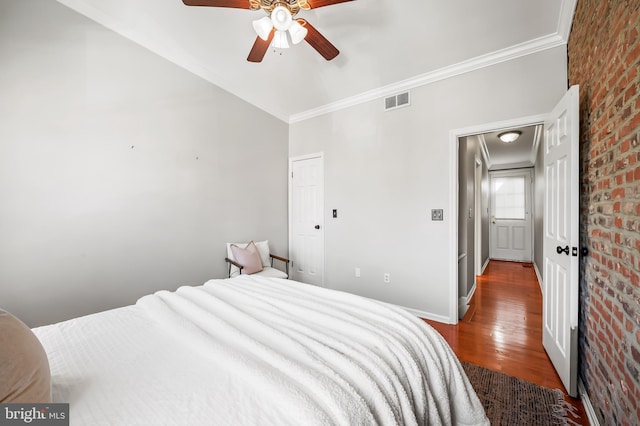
(511, 230)
(306, 220)
(560, 246)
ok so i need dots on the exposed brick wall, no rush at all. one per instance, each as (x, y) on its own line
(604, 59)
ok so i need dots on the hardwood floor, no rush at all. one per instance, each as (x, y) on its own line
(502, 330)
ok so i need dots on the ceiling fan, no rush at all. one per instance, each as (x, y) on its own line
(279, 27)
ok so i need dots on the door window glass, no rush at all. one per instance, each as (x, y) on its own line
(508, 193)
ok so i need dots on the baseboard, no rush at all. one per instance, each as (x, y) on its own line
(486, 263)
(535, 268)
(586, 402)
(426, 315)
(470, 295)
(463, 307)
(463, 302)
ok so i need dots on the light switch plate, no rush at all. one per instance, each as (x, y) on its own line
(437, 214)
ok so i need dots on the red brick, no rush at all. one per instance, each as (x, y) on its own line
(617, 330)
(617, 193)
(609, 304)
(632, 55)
(603, 57)
(631, 92)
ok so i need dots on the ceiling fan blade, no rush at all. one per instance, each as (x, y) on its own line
(318, 41)
(238, 4)
(321, 3)
(260, 48)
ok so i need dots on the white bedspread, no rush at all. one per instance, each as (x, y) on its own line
(257, 351)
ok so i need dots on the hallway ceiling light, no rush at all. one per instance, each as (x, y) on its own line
(510, 136)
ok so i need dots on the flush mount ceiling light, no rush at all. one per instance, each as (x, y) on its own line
(280, 27)
(510, 136)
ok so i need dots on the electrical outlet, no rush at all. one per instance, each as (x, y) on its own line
(437, 214)
(387, 278)
(357, 272)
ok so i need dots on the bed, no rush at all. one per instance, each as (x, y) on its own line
(256, 351)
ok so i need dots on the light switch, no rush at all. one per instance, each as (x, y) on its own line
(335, 213)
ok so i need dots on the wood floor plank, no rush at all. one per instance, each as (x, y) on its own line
(502, 330)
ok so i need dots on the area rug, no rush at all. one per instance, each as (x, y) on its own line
(510, 401)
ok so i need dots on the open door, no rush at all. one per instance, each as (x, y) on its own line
(560, 247)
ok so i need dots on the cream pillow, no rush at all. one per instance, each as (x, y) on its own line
(248, 257)
(24, 368)
(263, 249)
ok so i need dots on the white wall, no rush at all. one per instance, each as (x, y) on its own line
(120, 173)
(385, 171)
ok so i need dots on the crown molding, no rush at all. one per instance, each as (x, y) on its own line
(559, 38)
(567, 9)
(176, 55)
(523, 49)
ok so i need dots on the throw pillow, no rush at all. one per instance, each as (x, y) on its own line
(248, 257)
(24, 368)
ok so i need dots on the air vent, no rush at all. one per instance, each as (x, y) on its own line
(396, 101)
(390, 102)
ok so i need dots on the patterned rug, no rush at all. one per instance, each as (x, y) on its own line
(510, 401)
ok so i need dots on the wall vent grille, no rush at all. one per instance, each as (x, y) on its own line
(396, 101)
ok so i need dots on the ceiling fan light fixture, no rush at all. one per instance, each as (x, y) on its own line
(263, 27)
(280, 40)
(281, 18)
(510, 136)
(297, 32)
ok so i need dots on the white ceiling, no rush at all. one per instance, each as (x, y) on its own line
(386, 45)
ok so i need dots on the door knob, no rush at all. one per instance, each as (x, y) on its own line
(317, 226)
(560, 250)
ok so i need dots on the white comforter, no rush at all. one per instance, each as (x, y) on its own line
(257, 351)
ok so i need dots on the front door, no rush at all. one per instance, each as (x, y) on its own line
(511, 215)
(560, 247)
(307, 220)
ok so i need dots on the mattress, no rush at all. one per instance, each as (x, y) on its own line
(257, 351)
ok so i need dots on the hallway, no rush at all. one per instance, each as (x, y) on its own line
(502, 330)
